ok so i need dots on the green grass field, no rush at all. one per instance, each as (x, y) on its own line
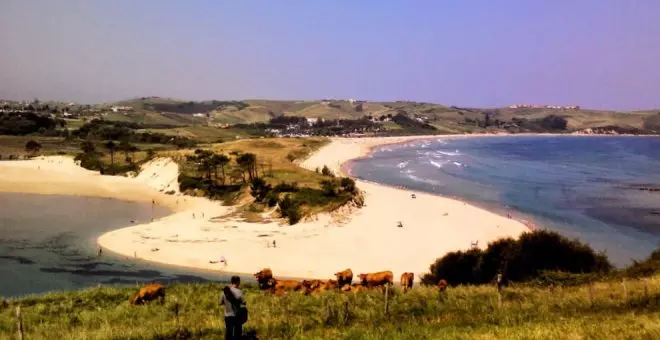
(464, 312)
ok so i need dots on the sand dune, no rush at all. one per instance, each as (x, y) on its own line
(365, 239)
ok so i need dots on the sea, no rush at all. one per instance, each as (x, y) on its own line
(48, 243)
(584, 187)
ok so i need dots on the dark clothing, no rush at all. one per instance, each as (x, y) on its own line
(234, 329)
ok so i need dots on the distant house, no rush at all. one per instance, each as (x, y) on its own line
(312, 121)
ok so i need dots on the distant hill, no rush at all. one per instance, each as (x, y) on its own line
(447, 119)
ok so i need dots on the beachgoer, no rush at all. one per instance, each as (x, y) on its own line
(100, 251)
(499, 281)
(234, 308)
(223, 260)
(274, 245)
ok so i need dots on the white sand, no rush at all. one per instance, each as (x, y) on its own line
(365, 239)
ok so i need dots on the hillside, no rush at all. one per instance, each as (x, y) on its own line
(446, 119)
(605, 310)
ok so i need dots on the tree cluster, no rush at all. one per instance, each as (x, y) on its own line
(111, 130)
(25, 123)
(524, 259)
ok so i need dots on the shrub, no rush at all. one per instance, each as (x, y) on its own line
(647, 267)
(330, 188)
(286, 187)
(326, 171)
(291, 209)
(456, 268)
(259, 189)
(348, 185)
(524, 259)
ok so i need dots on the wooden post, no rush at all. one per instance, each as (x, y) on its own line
(387, 299)
(19, 322)
(499, 298)
(646, 288)
(625, 290)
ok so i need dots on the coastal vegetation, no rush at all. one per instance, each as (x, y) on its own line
(261, 176)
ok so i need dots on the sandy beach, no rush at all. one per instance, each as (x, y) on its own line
(196, 234)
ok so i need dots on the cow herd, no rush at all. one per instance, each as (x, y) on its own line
(266, 281)
(343, 282)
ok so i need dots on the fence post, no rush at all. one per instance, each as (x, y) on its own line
(499, 298)
(625, 290)
(387, 299)
(646, 288)
(19, 322)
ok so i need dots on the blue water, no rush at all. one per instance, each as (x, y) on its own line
(582, 187)
(48, 242)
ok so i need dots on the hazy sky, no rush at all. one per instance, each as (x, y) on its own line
(595, 53)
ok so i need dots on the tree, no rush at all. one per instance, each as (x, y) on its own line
(248, 163)
(221, 161)
(87, 147)
(326, 171)
(32, 147)
(112, 147)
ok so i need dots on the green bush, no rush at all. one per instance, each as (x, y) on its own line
(286, 187)
(326, 171)
(290, 208)
(519, 260)
(645, 268)
(259, 189)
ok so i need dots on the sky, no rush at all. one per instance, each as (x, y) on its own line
(602, 54)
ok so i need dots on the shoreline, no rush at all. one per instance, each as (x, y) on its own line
(316, 248)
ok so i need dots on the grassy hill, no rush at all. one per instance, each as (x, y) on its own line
(445, 119)
(191, 311)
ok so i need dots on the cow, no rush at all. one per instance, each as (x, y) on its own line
(442, 285)
(263, 278)
(377, 279)
(407, 281)
(149, 292)
(312, 284)
(279, 287)
(354, 288)
(344, 277)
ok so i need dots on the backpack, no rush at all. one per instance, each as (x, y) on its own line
(241, 311)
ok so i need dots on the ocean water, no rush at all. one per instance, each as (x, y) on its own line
(582, 187)
(48, 242)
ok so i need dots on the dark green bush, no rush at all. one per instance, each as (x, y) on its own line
(259, 189)
(645, 268)
(520, 260)
(286, 187)
(326, 171)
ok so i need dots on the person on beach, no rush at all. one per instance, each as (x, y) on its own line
(100, 251)
(235, 309)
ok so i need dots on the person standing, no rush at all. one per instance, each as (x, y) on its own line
(235, 309)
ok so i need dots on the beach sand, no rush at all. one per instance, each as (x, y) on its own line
(199, 232)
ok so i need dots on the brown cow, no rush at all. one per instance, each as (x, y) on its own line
(149, 292)
(263, 278)
(407, 281)
(442, 285)
(354, 288)
(344, 277)
(377, 279)
(279, 287)
(312, 284)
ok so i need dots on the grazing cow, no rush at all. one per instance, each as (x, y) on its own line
(354, 288)
(312, 284)
(407, 281)
(279, 287)
(329, 285)
(149, 292)
(377, 279)
(344, 277)
(263, 278)
(442, 285)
